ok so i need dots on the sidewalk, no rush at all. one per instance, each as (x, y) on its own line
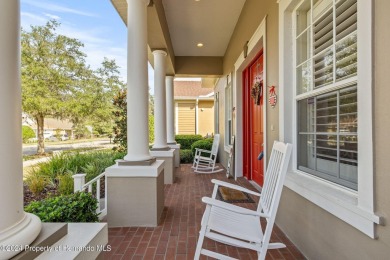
(35, 161)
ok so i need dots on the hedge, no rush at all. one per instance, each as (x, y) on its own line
(77, 207)
(186, 156)
(186, 141)
(205, 144)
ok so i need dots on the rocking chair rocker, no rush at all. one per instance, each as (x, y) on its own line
(204, 160)
(237, 226)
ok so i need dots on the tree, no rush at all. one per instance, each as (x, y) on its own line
(93, 99)
(120, 120)
(102, 116)
(151, 128)
(52, 68)
(151, 104)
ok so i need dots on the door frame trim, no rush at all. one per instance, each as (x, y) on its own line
(257, 42)
(248, 128)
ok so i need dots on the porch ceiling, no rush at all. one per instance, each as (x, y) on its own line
(209, 22)
(178, 25)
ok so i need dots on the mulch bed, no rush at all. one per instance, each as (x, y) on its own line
(29, 196)
(52, 191)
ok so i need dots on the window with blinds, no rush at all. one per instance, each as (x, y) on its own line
(326, 89)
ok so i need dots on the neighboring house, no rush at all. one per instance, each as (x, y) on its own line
(57, 126)
(51, 127)
(194, 107)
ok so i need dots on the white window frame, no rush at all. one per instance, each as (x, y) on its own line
(354, 207)
(228, 111)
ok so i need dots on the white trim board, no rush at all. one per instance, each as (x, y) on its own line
(256, 43)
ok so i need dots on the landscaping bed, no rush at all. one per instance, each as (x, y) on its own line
(54, 177)
(47, 192)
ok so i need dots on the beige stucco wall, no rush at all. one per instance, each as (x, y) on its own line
(317, 233)
(320, 235)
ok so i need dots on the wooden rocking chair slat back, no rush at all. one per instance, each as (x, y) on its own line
(241, 227)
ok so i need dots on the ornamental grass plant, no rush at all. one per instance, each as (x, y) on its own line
(59, 169)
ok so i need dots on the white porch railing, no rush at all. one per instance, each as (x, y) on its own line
(80, 185)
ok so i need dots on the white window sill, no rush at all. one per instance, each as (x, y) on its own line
(338, 201)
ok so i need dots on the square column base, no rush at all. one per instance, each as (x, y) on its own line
(168, 157)
(135, 195)
(177, 153)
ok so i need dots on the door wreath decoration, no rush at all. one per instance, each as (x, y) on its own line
(257, 92)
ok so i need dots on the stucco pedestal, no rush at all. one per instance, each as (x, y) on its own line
(135, 195)
(168, 157)
(177, 153)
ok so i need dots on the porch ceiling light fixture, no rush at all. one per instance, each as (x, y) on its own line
(200, 45)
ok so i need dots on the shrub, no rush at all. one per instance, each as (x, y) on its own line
(27, 133)
(186, 156)
(186, 141)
(65, 183)
(36, 182)
(205, 144)
(77, 207)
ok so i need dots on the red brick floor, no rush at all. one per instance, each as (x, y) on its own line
(176, 236)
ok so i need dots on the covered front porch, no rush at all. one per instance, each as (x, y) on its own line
(176, 235)
(325, 219)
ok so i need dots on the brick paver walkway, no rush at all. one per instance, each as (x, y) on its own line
(175, 238)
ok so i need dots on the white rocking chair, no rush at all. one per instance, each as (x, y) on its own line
(206, 164)
(237, 226)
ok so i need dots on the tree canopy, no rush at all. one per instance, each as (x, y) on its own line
(57, 82)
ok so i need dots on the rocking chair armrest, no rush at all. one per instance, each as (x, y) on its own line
(202, 150)
(231, 207)
(234, 187)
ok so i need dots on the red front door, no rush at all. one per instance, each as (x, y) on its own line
(253, 122)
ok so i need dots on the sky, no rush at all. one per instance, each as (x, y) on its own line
(94, 22)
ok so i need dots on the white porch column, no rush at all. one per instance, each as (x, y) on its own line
(137, 82)
(160, 124)
(16, 226)
(170, 102)
(135, 187)
(160, 149)
(170, 110)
